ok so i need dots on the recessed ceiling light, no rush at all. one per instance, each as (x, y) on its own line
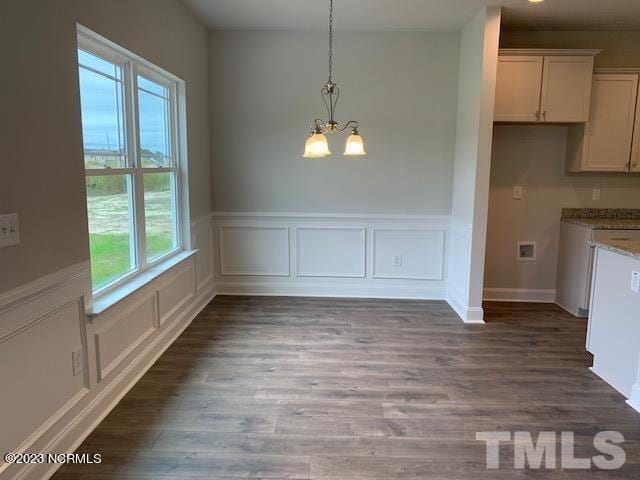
(536, 1)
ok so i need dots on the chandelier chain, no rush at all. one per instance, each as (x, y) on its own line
(330, 40)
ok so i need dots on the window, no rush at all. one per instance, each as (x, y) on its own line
(130, 135)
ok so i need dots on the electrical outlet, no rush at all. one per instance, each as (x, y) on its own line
(9, 230)
(595, 195)
(517, 193)
(76, 361)
(635, 282)
(397, 260)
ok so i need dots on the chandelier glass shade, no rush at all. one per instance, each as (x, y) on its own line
(355, 145)
(317, 145)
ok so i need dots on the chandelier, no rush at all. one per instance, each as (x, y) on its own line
(317, 145)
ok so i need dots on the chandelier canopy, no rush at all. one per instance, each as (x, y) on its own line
(317, 145)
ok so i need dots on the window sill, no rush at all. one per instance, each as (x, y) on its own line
(102, 303)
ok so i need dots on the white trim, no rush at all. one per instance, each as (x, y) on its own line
(466, 314)
(104, 302)
(25, 293)
(475, 315)
(606, 380)
(101, 42)
(549, 52)
(529, 295)
(634, 398)
(316, 216)
(331, 290)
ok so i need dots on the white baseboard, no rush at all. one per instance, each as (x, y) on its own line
(606, 380)
(634, 399)
(336, 291)
(472, 315)
(519, 295)
(77, 429)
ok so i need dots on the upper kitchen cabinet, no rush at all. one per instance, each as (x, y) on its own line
(544, 86)
(634, 164)
(518, 85)
(604, 144)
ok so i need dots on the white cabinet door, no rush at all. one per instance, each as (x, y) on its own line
(635, 151)
(519, 80)
(566, 88)
(609, 132)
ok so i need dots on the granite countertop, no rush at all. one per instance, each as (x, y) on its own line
(628, 248)
(606, 223)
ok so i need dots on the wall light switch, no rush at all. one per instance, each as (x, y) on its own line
(397, 260)
(517, 193)
(9, 230)
(635, 282)
(595, 194)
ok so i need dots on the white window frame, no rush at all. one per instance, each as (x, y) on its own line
(132, 65)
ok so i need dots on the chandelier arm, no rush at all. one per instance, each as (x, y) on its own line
(351, 123)
(319, 126)
(335, 102)
(328, 105)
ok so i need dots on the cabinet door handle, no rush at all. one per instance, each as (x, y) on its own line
(544, 114)
(538, 115)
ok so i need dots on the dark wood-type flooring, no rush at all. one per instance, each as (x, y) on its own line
(301, 388)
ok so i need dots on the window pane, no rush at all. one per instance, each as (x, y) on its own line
(102, 103)
(154, 119)
(110, 228)
(160, 213)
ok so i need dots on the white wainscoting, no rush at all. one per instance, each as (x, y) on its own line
(124, 328)
(202, 239)
(331, 255)
(459, 256)
(331, 252)
(42, 324)
(421, 253)
(254, 251)
(44, 407)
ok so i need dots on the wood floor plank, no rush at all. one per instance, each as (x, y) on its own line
(328, 389)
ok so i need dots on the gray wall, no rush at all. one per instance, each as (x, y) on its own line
(620, 49)
(534, 157)
(401, 87)
(41, 164)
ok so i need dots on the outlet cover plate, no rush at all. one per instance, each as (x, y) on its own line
(9, 230)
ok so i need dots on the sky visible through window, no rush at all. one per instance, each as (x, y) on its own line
(103, 118)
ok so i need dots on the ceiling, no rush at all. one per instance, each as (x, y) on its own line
(436, 15)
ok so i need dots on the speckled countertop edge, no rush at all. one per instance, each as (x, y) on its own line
(628, 248)
(601, 213)
(606, 223)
